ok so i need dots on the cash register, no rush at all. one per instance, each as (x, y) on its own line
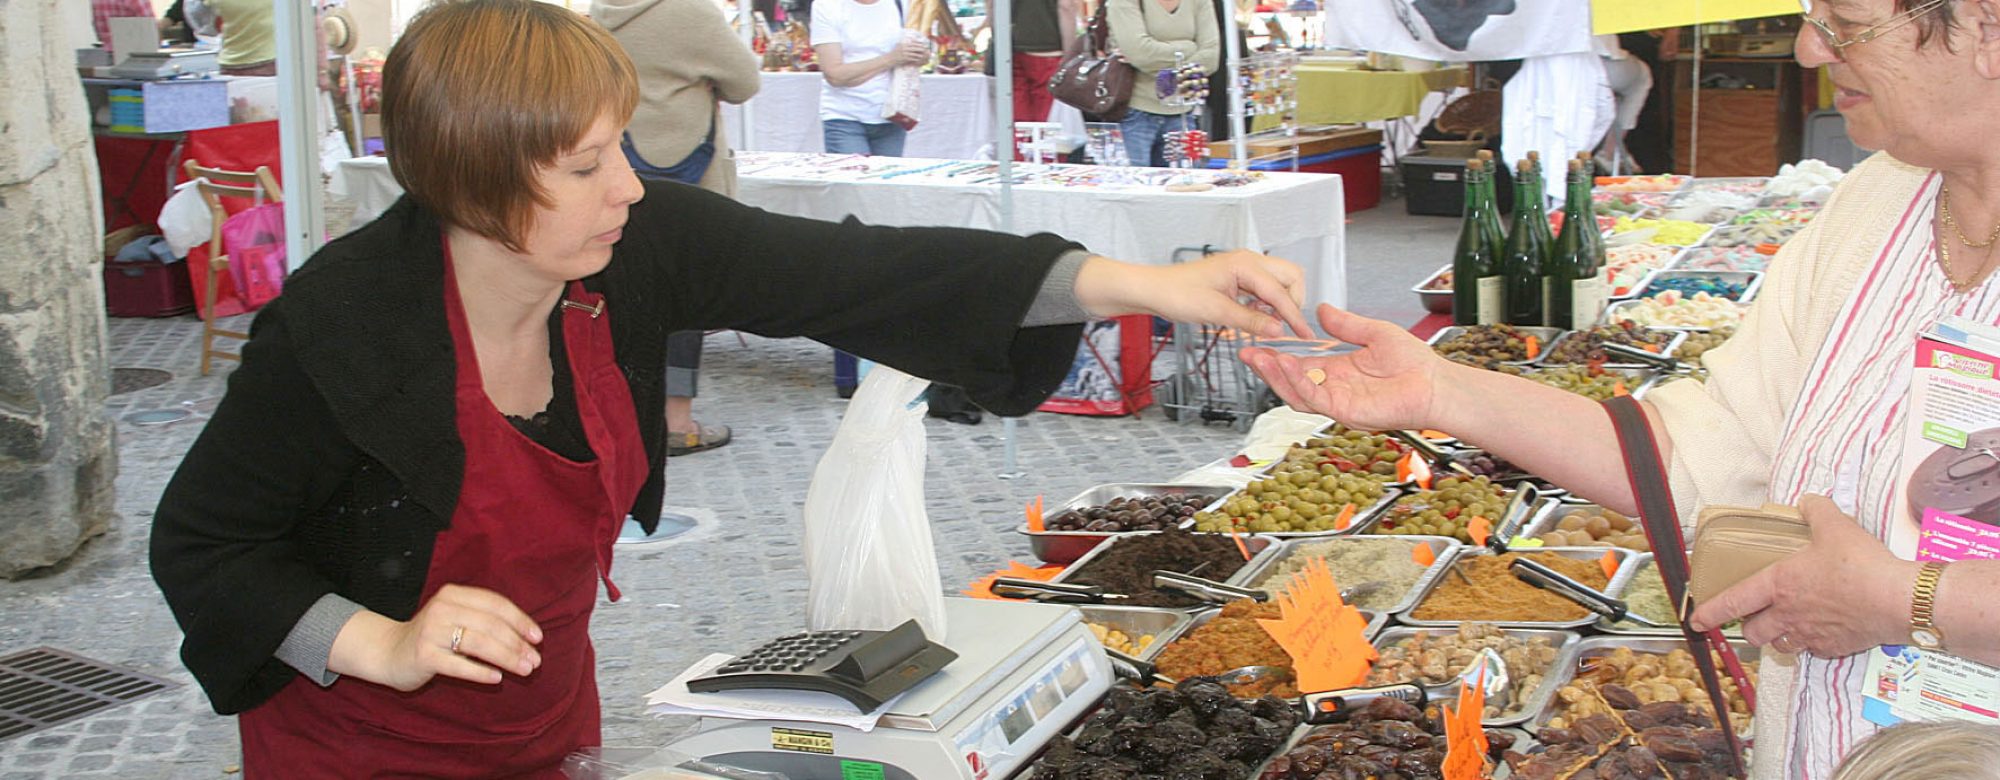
(1008, 677)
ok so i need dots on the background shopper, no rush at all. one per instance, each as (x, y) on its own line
(688, 60)
(1158, 35)
(1044, 33)
(857, 43)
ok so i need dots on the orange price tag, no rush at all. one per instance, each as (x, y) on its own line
(1481, 530)
(1465, 738)
(1323, 635)
(1423, 555)
(1346, 517)
(1434, 435)
(1619, 388)
(1413, 469)
(1035, 522)
(1238, 538)
(983, 587)
(1534, 347)
(1610, 565)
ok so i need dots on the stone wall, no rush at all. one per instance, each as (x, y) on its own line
(57, 455)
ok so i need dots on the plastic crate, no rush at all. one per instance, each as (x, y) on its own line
(147, 289)
(1435, 186)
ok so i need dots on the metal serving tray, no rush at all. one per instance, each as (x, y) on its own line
(1258, 544)
(1067, 546)
(1434, 301)
(1751, 280)
(1548, 337)
(1637, 380)
(1611, 311)
(1363, 516)
(1576, 654)
(1675, 337)
(1547, 522)
(1441, 546)
(1135, 622)
(1537, 699)
(1543, 506)
(1463, 552)
(1642, 566)
(1376, 623)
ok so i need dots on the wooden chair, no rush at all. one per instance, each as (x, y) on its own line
(259, 185)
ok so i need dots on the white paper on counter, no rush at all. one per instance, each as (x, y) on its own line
(674, 698)
(1277, 430)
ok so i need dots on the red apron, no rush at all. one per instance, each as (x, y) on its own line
(530, 525)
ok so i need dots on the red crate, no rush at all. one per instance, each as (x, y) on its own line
(147, 289)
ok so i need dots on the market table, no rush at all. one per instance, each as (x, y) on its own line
(955, 121)
(1341, 93)
(1297, 216)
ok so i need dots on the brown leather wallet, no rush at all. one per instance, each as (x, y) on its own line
(1733, 542)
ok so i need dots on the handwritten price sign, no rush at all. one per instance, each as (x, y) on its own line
(1325, 637)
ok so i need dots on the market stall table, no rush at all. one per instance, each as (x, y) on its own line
(1343, 93)
(956, 119)
(1297, 216)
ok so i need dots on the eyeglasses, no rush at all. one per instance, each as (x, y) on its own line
(1839, 44)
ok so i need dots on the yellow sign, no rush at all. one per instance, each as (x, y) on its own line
(1617, 16)
(801, 741)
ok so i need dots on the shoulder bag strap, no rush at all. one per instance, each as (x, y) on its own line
(1099, 32)
(1648, 476)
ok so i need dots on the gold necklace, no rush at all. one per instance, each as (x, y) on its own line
(1950, 274)
(1944, 215)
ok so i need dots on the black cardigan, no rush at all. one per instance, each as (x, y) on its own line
(334, 459)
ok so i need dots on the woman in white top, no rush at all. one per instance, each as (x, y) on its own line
(857, 43)
(1806, 404)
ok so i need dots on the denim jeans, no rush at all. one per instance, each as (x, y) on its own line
(846, 136)
(1143, 134)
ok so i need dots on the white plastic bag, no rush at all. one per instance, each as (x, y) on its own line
(905, 104)
(870, 564)
(185, 220)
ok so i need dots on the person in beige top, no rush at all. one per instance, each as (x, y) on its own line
(1157, 35)
(688, 59)
(1806, 404)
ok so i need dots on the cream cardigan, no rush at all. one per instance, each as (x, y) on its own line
(1725, 432)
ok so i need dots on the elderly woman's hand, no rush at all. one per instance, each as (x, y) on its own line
(1843, 594)
(1389, 383)
(1205, 291)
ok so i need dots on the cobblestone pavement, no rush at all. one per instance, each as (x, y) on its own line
(737, 581)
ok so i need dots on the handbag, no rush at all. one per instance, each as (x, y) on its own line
(1731, 543)
(1648, 476)
(1095, 79)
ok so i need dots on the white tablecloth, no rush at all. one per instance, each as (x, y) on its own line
(367, 183)
(1298, 216)
(956, 119)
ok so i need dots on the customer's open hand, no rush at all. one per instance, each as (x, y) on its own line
(1386, 384)
(1843, 594)
(1206, 291)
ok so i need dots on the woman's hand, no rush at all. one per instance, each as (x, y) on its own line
(1202, 291)
(1843, 594)
(913, 51)
(1389, 383)
(406, 655)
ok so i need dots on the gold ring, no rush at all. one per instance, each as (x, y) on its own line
(457, 635)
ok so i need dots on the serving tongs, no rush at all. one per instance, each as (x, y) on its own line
(1206, 589)
(1336, 706)
(1526, 501)
(1429, 451)
(1051, 592)
(1541, 576)
(1145, 673)
(1634, 354)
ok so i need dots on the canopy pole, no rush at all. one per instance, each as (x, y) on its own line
(298, 128)
(1000, 17)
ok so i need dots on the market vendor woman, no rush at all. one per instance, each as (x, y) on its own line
(385, 548)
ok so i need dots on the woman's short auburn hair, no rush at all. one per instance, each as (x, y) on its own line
(479, 94)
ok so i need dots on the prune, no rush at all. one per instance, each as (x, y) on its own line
(1273, 708)
(1230, 746)
(1095, 740)
(1265, 729)
(1122, 700)
(1200, 766)
(1149, 513)
(1232, 721)
(1181, 732)
(1395, 733)
(1620, 697)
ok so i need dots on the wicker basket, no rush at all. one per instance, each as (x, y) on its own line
(1478, 112)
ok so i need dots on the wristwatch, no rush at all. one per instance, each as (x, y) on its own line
(1923, 600)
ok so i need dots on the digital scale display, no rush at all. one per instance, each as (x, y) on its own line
(1032, 703)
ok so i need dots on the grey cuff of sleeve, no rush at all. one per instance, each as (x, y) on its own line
(1056, 304)
(309, 644)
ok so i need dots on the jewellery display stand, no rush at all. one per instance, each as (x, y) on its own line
(1270, 83)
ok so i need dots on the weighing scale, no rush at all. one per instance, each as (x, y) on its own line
(1024, 673)
(166, 64)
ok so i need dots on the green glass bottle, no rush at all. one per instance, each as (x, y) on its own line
(1475, 282)
(1595, 235)
(1496, 233)
(1522, 264)
(1576, 294)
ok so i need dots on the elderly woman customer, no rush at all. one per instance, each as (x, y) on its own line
(1805, 405)
(386, 546)
(1157, 35)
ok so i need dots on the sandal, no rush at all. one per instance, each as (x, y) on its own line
(702, 438)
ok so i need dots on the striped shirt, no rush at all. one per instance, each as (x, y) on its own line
(1840, 338)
